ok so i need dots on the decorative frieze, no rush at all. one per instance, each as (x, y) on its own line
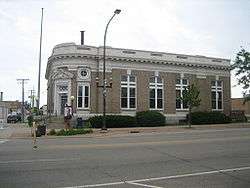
(70, 51)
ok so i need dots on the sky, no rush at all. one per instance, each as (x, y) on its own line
(216, 28)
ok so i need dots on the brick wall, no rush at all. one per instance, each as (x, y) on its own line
(142, 99)
(237, 104)
(226, 94)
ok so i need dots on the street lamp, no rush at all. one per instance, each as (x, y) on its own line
(72, 98)
(104, 84)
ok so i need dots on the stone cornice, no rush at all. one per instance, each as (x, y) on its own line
(73, 51)
(138, 60)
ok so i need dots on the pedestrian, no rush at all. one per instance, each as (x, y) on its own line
(67, 116)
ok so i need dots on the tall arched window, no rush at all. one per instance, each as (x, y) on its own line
(128, 92)
(156, 93)
(180, 86)
(216, 95)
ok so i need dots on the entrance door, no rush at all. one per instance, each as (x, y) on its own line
(64, 99)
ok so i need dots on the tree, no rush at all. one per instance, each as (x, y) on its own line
(190, 96)
(242, 67)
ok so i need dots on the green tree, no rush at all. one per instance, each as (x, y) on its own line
(191, 97)
(242, 68)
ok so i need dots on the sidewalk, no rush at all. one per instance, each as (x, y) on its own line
(15, 131)
(22, 131)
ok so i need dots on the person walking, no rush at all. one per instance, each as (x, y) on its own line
(68, 113)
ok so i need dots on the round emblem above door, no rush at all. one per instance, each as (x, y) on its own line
(83, 73)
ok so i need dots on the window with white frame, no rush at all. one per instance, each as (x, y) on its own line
(181, 84)
(128, 92)
(83, 96)
(155, 93)
(216, 95)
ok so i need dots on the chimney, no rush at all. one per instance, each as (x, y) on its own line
(82, 37)
(1, 96)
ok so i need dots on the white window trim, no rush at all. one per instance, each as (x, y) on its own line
(156, 87)
(128, 86)
(65, 82)
(181, 87)
(83, 96)
(217, 89)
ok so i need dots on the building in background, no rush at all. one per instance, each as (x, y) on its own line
(3, 112)
(237, 104)
(141, 80)
(8, 107)
(13, 106)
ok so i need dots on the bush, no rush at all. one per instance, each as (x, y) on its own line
(150, 119)
(30, 120)
(209, 118)
(61, 132)
(87, 125)
(52, 132)
(70, 132)
(113, 121)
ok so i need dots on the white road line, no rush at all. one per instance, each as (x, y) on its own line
(97, 185)
(135, 182)
(39, 160)
(193, 174)
(143, 185)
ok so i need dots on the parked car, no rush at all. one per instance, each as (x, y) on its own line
(14, 118)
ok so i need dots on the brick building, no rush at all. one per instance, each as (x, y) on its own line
(237, 104)
(141, 80)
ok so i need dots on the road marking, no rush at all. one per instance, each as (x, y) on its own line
(98, 185)
(193, 174)
(3, 141)
(135, 182)
(134, 144)
(143, 185)
(39, 160)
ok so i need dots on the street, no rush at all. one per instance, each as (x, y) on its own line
(196, 158)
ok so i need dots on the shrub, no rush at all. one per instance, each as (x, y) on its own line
(52, 132)
(113, 121)
(150, 119)
(209, 118)
(70, 132)
(30, 120)
(87, 124)
(61, 132)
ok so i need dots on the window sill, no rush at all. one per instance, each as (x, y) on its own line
(156, 109)
(83, 109)
(218, 110)
(182, 110)
(128, 109)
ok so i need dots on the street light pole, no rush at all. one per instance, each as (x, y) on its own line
(39, 69)
(104, 88)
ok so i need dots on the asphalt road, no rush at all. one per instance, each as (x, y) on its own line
(211, 158)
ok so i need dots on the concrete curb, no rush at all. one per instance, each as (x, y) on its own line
(116, 132)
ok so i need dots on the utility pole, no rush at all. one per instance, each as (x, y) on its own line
(39, 70)
(32, 97)
(22, 81)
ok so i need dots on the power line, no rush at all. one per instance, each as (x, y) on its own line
(22, 81)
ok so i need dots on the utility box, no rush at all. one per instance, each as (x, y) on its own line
(79, 123)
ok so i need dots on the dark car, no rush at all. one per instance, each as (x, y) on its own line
(13, 118)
